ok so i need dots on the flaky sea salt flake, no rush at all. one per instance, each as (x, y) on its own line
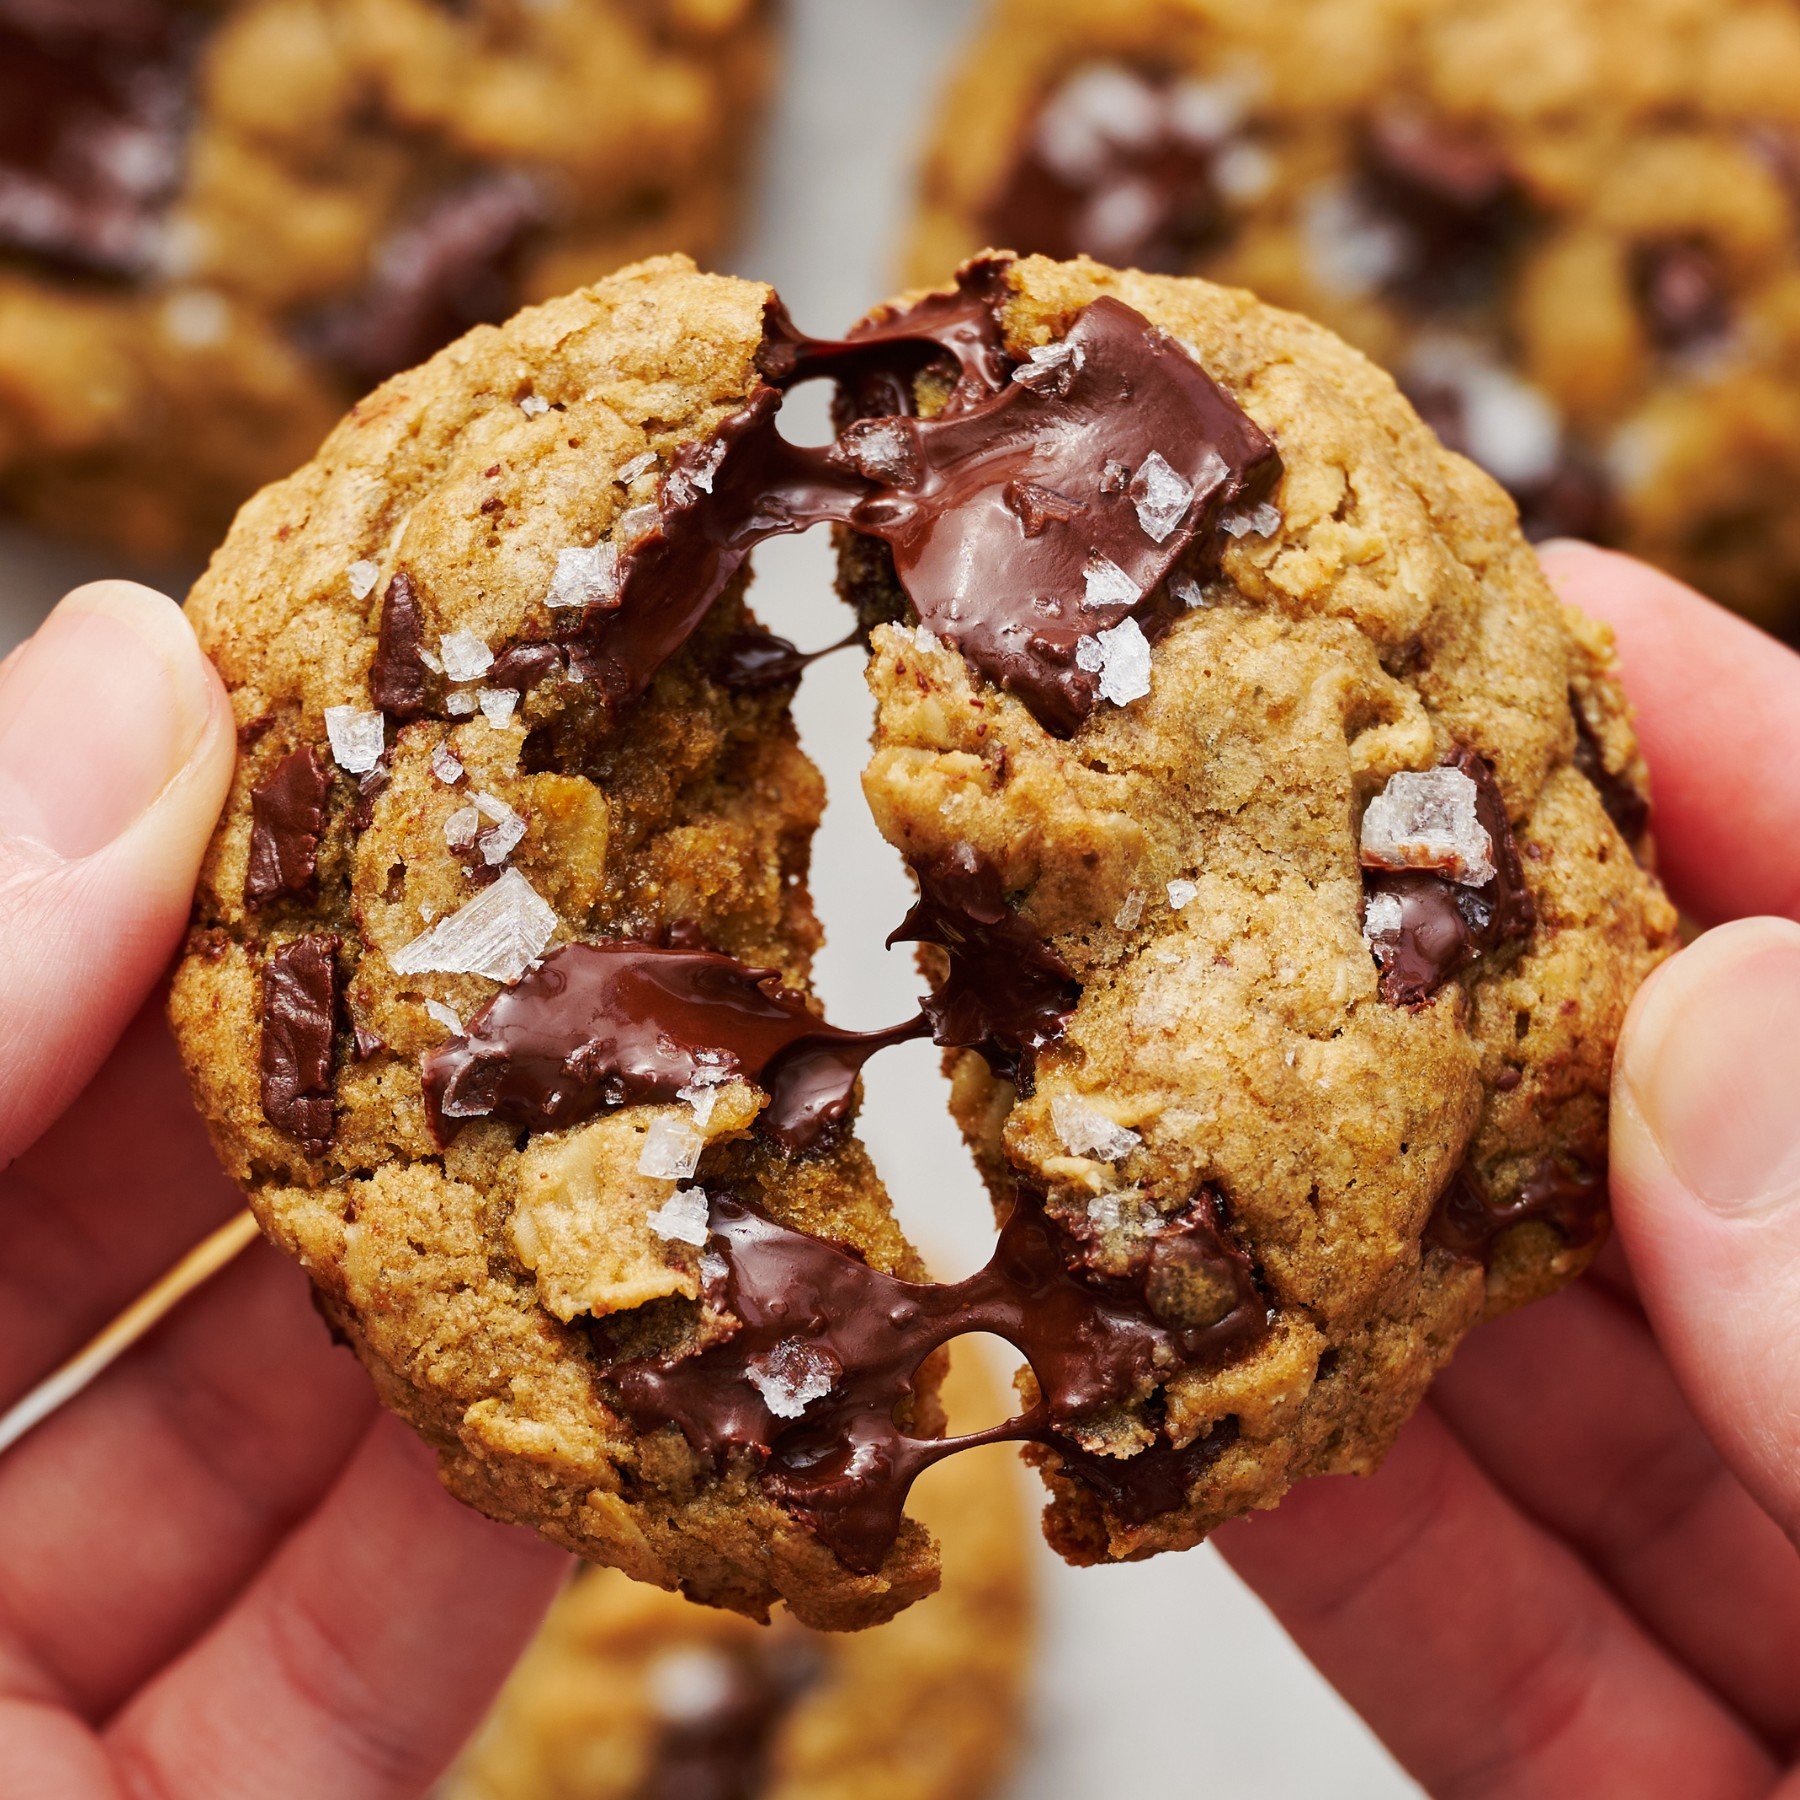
(1086, 1131)
(1121, 658)
(1109, 585)
(533, 406)
(445, 1016)
(1261, 520)
(461, 827)
(460, 704)
(498, 704)
(682, 1218)
(506, 829)
(499, 934)
(639, 465)
(671, 1149)
(1426, 819)
(362, 577)
(1181, 893)
(466, 657)
(585, 577)
(792, 1376)
(1130, 911)
(1383, 919)
(1161, 497)
(357, 737)
(446, 765)
(1050, 369)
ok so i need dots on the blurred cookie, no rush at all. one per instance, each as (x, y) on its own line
(631, 1694)
(1572, 231)
(220, 223)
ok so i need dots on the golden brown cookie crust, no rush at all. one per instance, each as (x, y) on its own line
(1624, 130)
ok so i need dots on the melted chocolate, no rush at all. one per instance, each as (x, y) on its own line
(753, 660)
(287, 819)
(1457, 200)
(453, 264)
(93, 127)
(1625, 806)
(603, 1025)
(397, 677)
(1683, 295)
(299, 1019)
(1007, 993)
(998, 511)
(801, 1310)
(1115, 167)
(1444, 924)
(1569, 1198)
(721, 1750)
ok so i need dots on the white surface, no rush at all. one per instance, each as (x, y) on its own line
(1163, 1680)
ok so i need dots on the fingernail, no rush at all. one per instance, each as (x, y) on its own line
(99, 712)
(1711, 1062)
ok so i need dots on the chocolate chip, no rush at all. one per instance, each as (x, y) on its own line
(1443, 925)
(845, 1464)
(1007, 993)
(397, 677)
(287, 819)
(1568, 1195)
(1682, 294)
(595, 1026)
(452, 264)
(94, 113)
(1116, 167)
(299, 1018)
(1625, 806)
(1457, 200)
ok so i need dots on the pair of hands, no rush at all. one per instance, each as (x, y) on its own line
(222, 1571)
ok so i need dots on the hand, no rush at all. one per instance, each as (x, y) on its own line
(1575, 1575)
(222, 1570)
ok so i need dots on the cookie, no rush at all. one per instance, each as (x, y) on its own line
(630, 1692)
(1282, 864)
(1571, 231)
(221, 223)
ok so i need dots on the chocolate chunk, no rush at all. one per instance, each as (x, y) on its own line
(94, 111)
(1444, 925)
(370, 786)
(1568, 1196)
(287, 819)
(1156, 1480)
(299, 1021)
(753, 660)
(1625, 806)
(1007, 993)
(602, 1025)
(721, 1750)
(1459, 205)
(398, 674)
(846, 1342)
(1117, 167)
(453, 264)
(1683, 295)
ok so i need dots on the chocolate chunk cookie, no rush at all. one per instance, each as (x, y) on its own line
(220, 223)
(1282, 867)
(630, 1694)
(1571, 231)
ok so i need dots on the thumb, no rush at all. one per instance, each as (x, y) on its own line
(1706, 1189)
(116, 749)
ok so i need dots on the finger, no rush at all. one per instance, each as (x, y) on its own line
(1706, 1189)
(361, 1659)
(132, 1519)
(116, 749)
(1718, 714)
(1573, 1414)
(1478, 1647)
(103, 1203)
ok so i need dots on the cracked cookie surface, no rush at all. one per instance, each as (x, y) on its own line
(220, 223)
(1572, 231)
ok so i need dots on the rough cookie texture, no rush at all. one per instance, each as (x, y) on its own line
(630, 1693)
(220, 223)
(1194, 856)
(1572, 231)
(487, 1281)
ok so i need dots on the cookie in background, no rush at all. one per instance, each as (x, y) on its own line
(220, 224)
(1570, 228)
(633, 1694)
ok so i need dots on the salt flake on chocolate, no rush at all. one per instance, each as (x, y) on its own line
(1161, 497)
(682, 1218)
(671, 1149)
(1262, 520)
(1121, 658)
(357, 738)
(1086, 1131)
(1050, 369)
(585, 577)
(1383, 919)
(792, 1376)
(466, 657)
(1426, 819)
(499, 934)
(362, 577)
(1108, 584)
(881, 450)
